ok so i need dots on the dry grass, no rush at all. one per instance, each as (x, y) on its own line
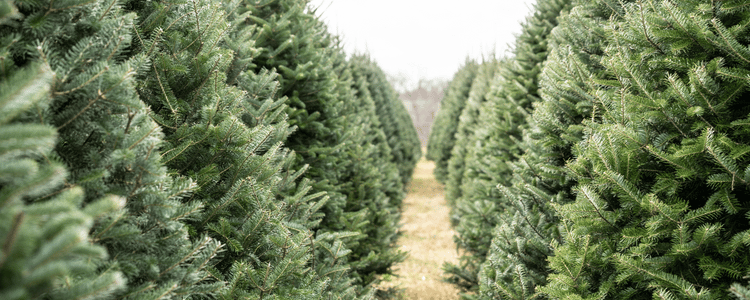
(428, 238)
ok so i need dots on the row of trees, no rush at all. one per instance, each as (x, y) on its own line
(193, 149)
(607, 158)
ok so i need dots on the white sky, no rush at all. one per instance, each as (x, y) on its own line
(427, 39)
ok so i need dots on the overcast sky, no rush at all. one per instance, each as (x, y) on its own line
(427, 39)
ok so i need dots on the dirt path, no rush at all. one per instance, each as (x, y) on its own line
(427, 237)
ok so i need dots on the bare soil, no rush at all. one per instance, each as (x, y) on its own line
(428, 237)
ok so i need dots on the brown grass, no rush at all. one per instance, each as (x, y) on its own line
(428, 238)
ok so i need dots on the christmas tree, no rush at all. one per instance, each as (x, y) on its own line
(442, 135)
(331, 136)
(469, 238)
(214, 150)
(468, 122)
(376, 191)
(225, 128)
(44, 232)
(660, 169)
(501, 228)
(523, 168)
(111, 147)
(394, 119)
(627, 154)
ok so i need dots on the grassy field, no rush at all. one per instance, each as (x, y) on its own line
(428, 238)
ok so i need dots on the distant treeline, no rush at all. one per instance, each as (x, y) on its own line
(423, 103)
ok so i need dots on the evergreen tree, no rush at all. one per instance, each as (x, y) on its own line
(315, 77)
(110, 146)
(225, 128)
(376, 190)
(297, 44)
(469, 238)
(394, 120)
(442, 135)
(467, 126)
(661, 169)
(566, 105)
(517, 255)
(46, 247)
(517, 186)
(739, 291)
(218, 118)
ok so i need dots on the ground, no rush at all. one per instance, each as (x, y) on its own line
(428, 237)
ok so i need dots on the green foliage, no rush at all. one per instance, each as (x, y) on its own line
(394, 120)
(110, 145)
(224, 129)
(44, 234)
(660, 166)
(626, 178)
(215, 149)
(740, 291)
(467, 126)
(442, 136)
(466, 214)
(376, 189)
(499, 193)
(526, 175)
(296, 44)
(338, 136)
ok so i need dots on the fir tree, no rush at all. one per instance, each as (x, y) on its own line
(557, 119)
(394, 120)
(469, 237)
(46, 247)
(466, 128)
(376, 189)
(225, 114)
(297, 45)
(442, 135)
(516, 258)
(740, 291)
(330, 138)
(110, 145)
(497, 223)
(225, 128)
(661, 168)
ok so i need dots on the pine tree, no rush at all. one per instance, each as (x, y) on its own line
(464, 212)
(740, 291)
(394, 120)
(513, 170)
(466, 128)
(225, 129)
(495, 225)
(661, 169)
(330, 135)
(376, 190)
(442, 135)
(330, 250)
(110, 146)
(297, 45)
(44, 235)
(218, 119)
(558, 117)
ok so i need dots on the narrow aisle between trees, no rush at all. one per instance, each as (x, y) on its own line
(427, 237)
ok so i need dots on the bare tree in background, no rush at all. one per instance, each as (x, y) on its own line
(422, 101)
